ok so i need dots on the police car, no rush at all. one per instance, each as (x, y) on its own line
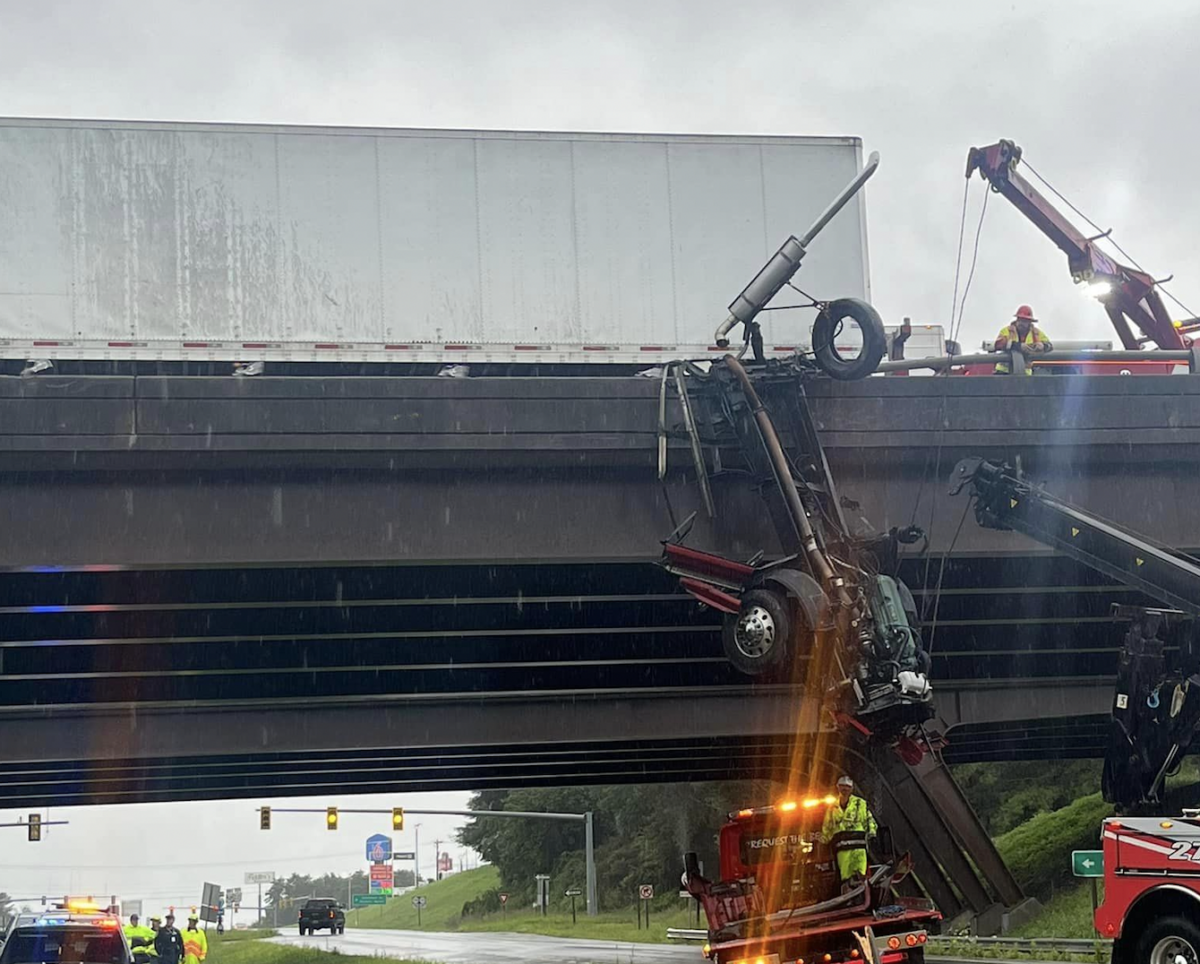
(73, 934)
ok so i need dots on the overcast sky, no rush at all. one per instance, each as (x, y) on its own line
(1101, 95)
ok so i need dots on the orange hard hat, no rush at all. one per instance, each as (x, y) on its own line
(1025, 312)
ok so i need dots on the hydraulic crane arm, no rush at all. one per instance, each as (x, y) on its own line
(1132, 296)
(1005, 501)
(1156, 708)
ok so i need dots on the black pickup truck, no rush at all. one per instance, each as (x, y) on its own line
(322, 912)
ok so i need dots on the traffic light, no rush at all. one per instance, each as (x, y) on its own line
(35, 826)
(264, 818)
(397, 818)
(331, 818)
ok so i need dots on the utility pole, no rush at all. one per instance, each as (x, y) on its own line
(417, 856)
(437, 860)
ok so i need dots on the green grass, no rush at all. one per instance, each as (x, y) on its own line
(445, 899)
(605, 927)
(232, 937)
(241, 950)
(1039, 851)
(1067, 914)
(444, 903)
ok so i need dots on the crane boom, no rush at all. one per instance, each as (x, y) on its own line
(1132, 295)
(1156, 707)
(1006, 501)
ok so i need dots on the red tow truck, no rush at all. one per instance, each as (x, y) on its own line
(1151, 907)
(778, 899)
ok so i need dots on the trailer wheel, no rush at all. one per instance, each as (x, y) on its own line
(830, 324)
(1168, 940)
(756, 638)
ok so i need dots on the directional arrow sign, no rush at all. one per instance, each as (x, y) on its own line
(1087, 863)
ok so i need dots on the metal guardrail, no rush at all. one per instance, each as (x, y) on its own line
(1064, 945)
(687, 935)
(1018, 362)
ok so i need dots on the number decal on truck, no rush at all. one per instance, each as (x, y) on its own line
(1179, 850)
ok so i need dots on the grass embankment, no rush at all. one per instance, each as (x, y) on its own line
(605, 927)
(247, 947)
(445, 899)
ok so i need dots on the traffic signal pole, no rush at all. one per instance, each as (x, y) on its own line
(585, 818)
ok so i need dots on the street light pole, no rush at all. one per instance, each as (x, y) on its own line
(417, 856)
(589, 847)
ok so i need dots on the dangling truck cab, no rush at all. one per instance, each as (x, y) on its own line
(778, 899)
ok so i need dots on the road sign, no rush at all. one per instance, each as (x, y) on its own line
(646, 891)
(403, 855)
(379, 848)
(259, 877)
(233, 895)
(210, 898)
(1087, 863)
(382, 879)
(129, 907)
(574, 893)
(368, 900)
(419, 901)
(504, 898)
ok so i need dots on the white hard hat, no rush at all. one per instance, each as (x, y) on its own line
(845, 781)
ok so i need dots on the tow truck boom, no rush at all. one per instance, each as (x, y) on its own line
(1004, 500)
(1132, 296)
(1156, 709)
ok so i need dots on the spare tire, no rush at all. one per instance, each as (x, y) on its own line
(829, 325)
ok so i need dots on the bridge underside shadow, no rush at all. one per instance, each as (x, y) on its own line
(123, 686)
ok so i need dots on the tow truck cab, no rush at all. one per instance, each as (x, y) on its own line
(1151, 907)
(779, 900)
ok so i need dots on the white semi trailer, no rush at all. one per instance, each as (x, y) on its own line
(173, 242)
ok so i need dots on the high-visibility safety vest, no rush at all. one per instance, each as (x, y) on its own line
(1034, 336)
(141, 941)
(195, 946)
(854, 818)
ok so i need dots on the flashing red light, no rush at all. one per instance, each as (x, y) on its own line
(922, 938)
(894, 943)
(1110, 929)
(910, 940)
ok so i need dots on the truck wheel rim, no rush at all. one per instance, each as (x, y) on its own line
(1171, 950)
(754, 635)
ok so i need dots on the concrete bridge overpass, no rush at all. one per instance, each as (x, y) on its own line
(179, 471)
(309, 578)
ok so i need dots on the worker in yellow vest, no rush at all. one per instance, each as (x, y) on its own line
(141, 939)
(848, 824)
(1023, 334)
(195, 942)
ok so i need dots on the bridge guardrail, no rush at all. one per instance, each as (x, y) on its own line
(1064, 945)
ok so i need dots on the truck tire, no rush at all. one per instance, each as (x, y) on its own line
(757, 638)
(828, 326)
(1166, 939)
